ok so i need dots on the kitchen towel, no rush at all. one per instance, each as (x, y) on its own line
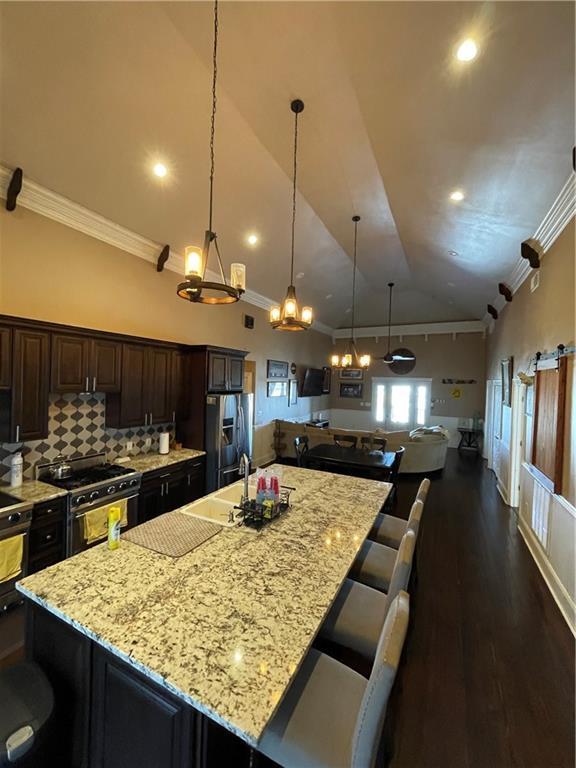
(11, 552)
(173, 534)
(96, 521)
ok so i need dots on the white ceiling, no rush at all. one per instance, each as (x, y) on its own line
(94, 93)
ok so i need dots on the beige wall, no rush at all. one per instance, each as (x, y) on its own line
(538, 322)
(51, 272)
(441, 357)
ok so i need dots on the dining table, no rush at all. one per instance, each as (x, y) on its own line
(352, 459)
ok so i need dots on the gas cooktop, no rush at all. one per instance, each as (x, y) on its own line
(91, 475)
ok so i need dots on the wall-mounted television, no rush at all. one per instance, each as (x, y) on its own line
(312, 383)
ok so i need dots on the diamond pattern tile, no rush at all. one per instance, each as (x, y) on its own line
(76, 427)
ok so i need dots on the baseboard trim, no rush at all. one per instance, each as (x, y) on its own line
(563, 600)
(502, 491)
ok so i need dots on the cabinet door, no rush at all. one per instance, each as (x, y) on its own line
(217, 372)
(31, 362)
(150, 502)
(136, 723)
(106, 366)
(235, 373)
(160, 401)
(5, 358)
(134, 386)
(176, 491)
(70, 363)
(195, 481)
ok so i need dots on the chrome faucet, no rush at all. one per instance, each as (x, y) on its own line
(244, 469)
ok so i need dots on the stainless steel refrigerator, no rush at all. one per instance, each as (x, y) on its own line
(229, 426)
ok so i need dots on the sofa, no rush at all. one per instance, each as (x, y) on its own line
(425, 447)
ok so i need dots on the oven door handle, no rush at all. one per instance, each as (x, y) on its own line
(16, 530)
(101, 506)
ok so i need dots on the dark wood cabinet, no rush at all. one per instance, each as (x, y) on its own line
(47, 534)
(82, 364)
(136, 723)
(5, 358)
(147, 395)
(225, 372)
(170, 488)
(24, 408)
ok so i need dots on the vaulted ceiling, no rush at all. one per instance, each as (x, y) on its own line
(94, 93)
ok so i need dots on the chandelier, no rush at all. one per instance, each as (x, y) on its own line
(195, 288)
(288, 316)
(351, 355)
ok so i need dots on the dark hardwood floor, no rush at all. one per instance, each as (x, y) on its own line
(488, 675)
(487, 679)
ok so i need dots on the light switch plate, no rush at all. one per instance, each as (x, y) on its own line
(148, 442)
(129, 445)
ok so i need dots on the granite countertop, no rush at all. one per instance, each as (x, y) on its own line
(226, 626)
(148, 462)
(35, 491)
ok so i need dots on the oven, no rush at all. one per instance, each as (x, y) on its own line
(87, 523)
(15, 521)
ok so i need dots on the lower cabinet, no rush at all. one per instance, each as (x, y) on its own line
(47, 535)
(167, 489)
(136, 723)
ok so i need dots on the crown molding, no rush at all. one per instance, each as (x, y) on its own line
(413, 329)
(53, 206)
(555, 221)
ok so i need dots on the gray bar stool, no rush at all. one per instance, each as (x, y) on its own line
(26, 704)
(358, 613)
(332, 717)
(389, 530)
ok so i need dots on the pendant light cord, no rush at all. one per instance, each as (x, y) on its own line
(354, 281)
(390, 285)
(213, 118)
(294, 171)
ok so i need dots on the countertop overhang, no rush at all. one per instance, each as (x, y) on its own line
(226, 626)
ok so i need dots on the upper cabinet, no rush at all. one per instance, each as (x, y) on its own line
(24, 408)
(84, 364)
(5, 358)
(147, 395)
(225, 370)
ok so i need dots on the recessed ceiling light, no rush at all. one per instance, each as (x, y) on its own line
(329, 295)
(160, 170)
(349, 310)
(300, 275)
(453, 253)
(451, 285)
(467, 51)
(457, 196)
(252, 239)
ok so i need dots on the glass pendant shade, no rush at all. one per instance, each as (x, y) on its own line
(275, 314)
(238, 276)
(364, 361)
(193, 262)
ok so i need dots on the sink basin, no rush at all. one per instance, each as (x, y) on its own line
(213, 509)
(232, 494)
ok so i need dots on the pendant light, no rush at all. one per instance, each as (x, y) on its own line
(352, 355)
(399, 356)
(289, 316)
(195, 288)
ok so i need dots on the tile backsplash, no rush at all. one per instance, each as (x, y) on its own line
(76, 427)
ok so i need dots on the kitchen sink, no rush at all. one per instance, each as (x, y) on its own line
(214, 510)
(232, 494)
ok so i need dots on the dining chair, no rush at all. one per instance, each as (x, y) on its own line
(301, 447)
(357, 615)
(346, 441)
(331, 716)
(374, 564)
(371, 443)
(389, 530)
(392, 475)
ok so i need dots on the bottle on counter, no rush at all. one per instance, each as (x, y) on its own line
(114, 519)
(16, 466)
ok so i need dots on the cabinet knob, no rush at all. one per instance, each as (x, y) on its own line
(48, 537)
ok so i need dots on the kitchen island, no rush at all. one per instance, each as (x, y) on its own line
(152, 651)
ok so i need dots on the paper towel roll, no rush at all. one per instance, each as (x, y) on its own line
(164, 442)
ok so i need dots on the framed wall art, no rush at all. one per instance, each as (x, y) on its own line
(355, 374)
(293, 392)
(277, 389)
(276, 369)
(351, 390)
(506, 372)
